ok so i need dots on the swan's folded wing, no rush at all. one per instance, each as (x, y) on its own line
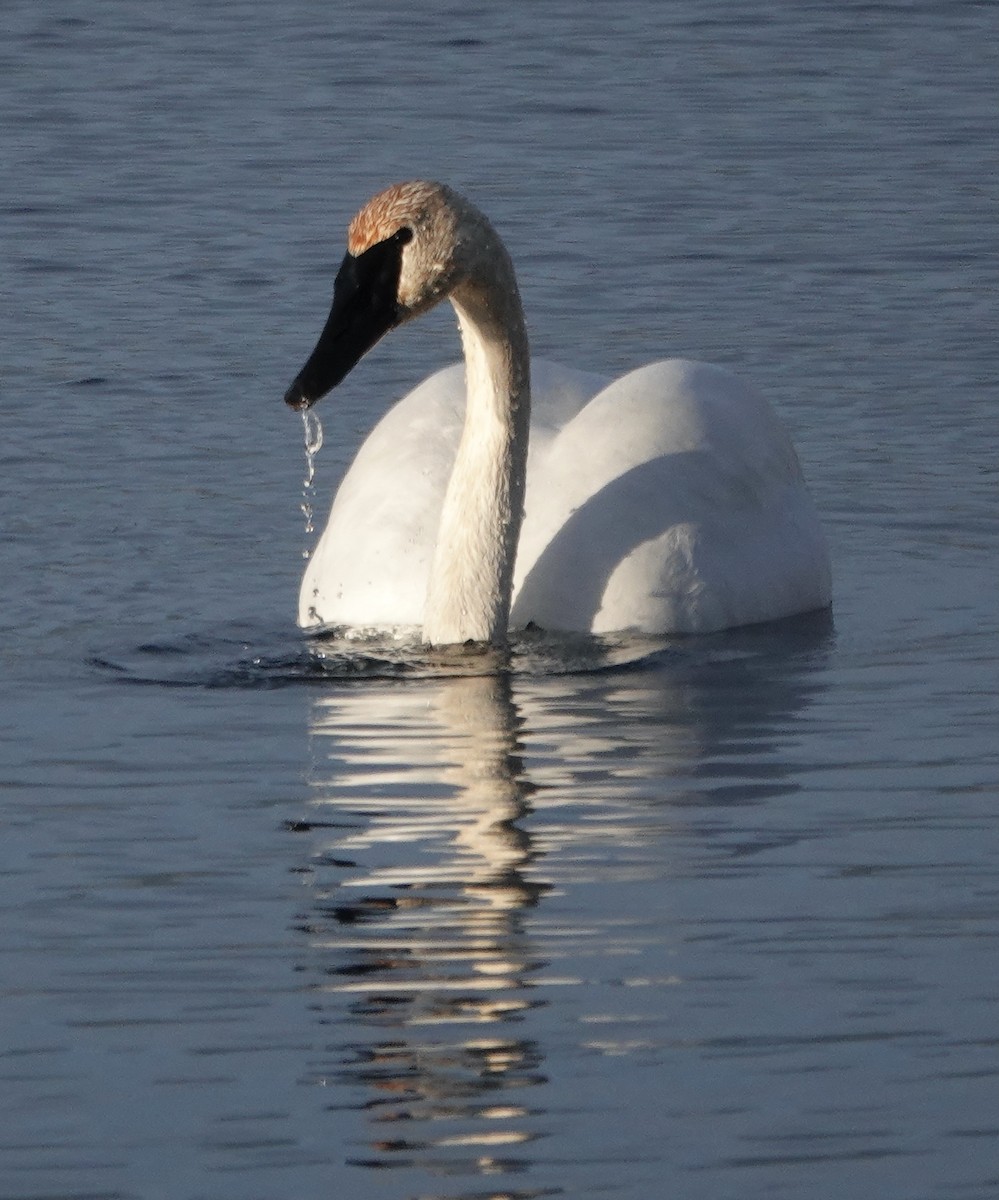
(672, 502)
(370, 567)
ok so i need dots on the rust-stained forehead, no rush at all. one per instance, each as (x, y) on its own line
(385, 213)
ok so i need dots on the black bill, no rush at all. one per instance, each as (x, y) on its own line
(365, 307)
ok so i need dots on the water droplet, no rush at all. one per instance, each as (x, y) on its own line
(313, 430)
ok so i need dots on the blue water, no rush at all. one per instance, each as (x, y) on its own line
(282, 921)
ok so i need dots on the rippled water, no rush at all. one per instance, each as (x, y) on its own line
(710, 918)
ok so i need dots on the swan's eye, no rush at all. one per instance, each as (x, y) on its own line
(404, 236)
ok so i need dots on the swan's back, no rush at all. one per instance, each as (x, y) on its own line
(670, 500)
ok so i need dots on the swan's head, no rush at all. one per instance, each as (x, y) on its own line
(408, 248)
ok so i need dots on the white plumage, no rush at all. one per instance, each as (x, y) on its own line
(669, 500)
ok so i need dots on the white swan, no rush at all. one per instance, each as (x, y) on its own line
(670, 500)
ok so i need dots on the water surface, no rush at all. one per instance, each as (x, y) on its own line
(715, 918)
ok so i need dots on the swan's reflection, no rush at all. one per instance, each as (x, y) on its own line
(425, 941)
(424, 922)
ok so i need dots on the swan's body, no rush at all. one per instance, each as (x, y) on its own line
(670, 500)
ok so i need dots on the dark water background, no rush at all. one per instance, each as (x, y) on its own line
(719, 926)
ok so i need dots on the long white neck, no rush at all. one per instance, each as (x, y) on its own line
(471, 577)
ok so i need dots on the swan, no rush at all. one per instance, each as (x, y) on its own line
(668, 501)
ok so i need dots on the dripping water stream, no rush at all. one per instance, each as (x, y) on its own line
(313, 431)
